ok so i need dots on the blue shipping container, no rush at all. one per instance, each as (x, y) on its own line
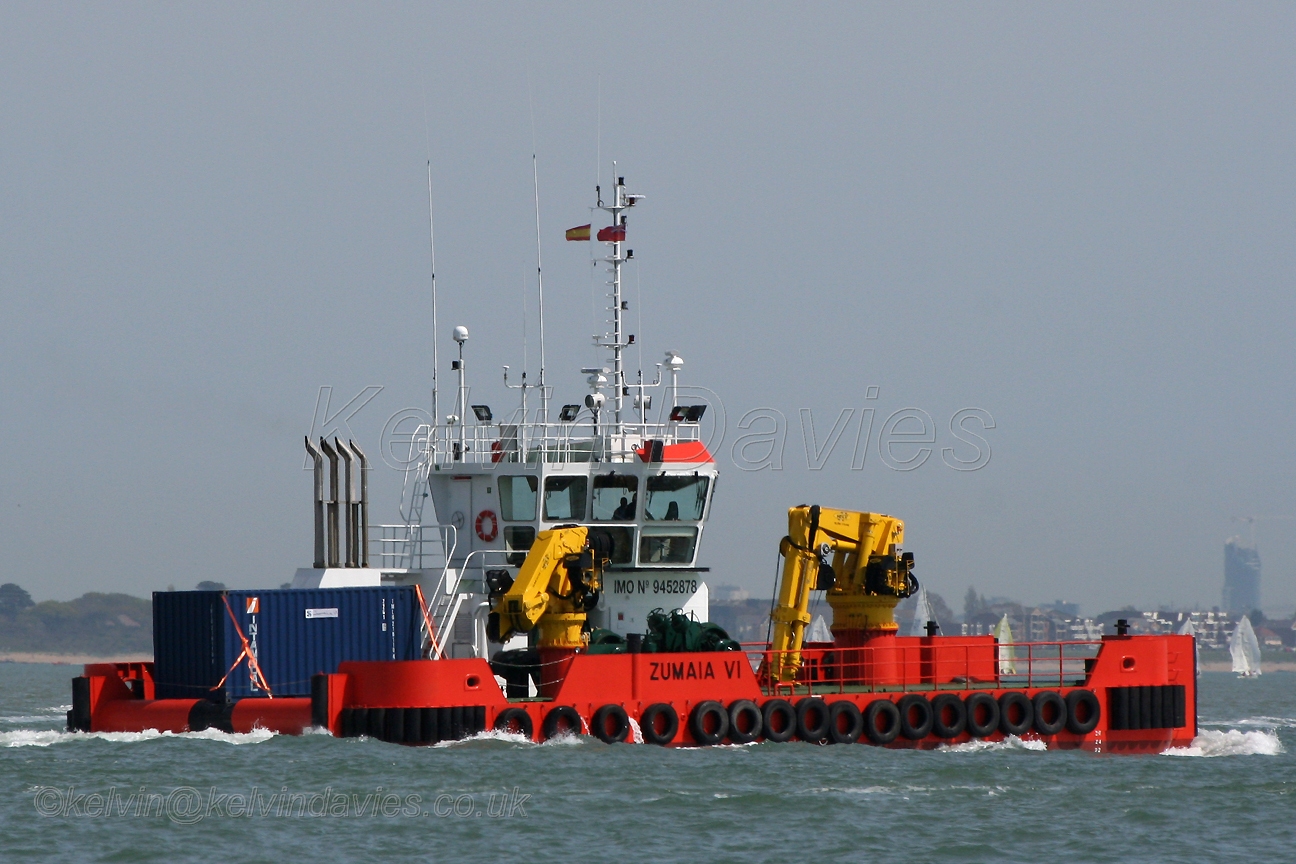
(294, 633)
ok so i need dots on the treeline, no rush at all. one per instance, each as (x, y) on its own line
(99, 624)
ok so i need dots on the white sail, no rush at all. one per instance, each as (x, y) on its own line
(1189, 630)
(1245, 649)
(1003, 635)
(818, 631)
(922, 614)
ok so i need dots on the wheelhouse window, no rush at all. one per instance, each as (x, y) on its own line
(564, 499)
(517, 542)
(675, 499)
(622, 543)
(662, 544)
(518, 498)
(615, 497)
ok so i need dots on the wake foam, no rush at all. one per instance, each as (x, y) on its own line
(1012, 742)
(47, 737)
(1230, 742)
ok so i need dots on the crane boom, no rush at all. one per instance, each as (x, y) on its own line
(855, 558)
(558, 583)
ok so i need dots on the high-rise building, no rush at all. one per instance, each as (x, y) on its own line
(1241, 577)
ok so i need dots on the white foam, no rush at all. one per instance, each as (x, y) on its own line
(1230, 742)
(636, 734)
(492, 735)
(46, 737)
(1012, 742)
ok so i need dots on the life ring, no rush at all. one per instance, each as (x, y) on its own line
(487, 536)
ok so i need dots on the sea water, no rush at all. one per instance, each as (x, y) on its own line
(264, 797)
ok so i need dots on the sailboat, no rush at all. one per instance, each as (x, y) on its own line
(1245, 648)
(922, 614)
(1003, 635)
(1189, 630)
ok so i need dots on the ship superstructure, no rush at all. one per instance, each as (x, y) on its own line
(623, 461)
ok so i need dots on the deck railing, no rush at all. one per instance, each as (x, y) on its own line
(959, 664)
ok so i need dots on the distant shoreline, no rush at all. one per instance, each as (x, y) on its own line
(68, 659)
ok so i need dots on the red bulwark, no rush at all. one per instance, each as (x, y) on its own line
(688, 451)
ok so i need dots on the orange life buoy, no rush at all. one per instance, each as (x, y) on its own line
(487, 536)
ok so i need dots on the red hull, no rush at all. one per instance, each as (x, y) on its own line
(403, 701)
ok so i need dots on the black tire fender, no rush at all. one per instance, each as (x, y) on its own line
(745, 721)
(648, 724)
(709, 722)
(610, 724)
(516, 721)
(882, 721)
(1082, 703)
(812, 719)
(982, 715)
(1048, 704)
(949, 715)
(915, 716)
(1015, 704)
(779, 720)
(561, 720)
(845, 723)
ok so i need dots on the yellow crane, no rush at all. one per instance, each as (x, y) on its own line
(557, 585)
(855, 557)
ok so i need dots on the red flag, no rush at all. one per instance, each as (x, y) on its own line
(612, 234)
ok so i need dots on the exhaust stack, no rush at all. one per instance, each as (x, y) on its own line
(332, 503)
(362, 520)
(319, 502)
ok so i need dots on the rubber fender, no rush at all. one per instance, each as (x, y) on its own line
(515, 720)
(812, 719)
(610, 724)
(377, 716)
(882, 721)
(982, 715)
(394, 725)
(659, 712)
(1050, 712)
(1016, 714)
(949, 715)
(1083, 711)
(778, 720)
(562, 720)
(428, 726)
(915, 716)
(845, 723)
(745, 721)
(709, 722)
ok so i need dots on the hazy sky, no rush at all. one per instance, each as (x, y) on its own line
(1079, 221)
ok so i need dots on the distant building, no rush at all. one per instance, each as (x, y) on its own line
(1241, 577)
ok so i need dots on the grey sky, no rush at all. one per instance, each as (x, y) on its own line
(1078, 220)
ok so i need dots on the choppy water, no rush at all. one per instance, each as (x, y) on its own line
(1227, 798)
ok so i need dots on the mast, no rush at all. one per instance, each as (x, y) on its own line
(621, 201)
(432, 244)
(544, 397)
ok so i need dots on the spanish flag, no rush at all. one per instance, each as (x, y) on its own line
(580, 232)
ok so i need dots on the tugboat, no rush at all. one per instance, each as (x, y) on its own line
(559, 594)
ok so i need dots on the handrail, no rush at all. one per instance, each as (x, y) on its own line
(965, 665)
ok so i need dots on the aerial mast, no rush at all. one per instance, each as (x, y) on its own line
(616, 235)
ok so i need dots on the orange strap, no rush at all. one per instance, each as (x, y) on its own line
(257, 677)
(427, 619)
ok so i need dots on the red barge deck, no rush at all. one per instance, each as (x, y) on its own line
(1123, 694)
